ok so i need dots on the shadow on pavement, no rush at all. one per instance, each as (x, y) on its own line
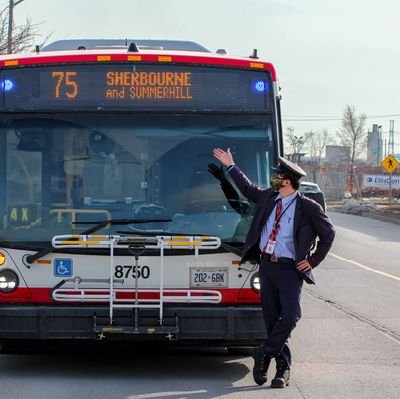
(134, 372)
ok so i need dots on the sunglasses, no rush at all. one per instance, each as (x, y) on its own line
(278, 176)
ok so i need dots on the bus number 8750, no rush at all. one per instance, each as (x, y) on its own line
(127, 271)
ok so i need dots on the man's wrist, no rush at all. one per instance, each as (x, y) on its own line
(312, 261)
(230, 167)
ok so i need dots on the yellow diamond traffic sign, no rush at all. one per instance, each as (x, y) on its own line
(390, 163)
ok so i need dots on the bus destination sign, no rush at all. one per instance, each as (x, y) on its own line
(159, 85)
(136, 87)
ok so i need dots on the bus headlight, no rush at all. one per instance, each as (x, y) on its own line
(8, 281)
(255, 282)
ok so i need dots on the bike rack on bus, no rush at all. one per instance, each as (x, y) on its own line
(77, 289)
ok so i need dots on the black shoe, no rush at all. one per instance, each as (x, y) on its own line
(261, 364)
(282, 376)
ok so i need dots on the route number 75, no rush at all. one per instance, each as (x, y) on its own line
(66, 84)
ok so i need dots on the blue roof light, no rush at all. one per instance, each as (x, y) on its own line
(261, 86)
(7, 85)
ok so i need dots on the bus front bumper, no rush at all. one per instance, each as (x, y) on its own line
(227, 325)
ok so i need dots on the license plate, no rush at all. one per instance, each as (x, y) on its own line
(208, 277)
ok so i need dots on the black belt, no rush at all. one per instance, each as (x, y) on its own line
(275, 259)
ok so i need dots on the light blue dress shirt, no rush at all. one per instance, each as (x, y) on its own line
(284, 241)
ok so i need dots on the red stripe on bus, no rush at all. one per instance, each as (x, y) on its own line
(154, 58)
(43, 295)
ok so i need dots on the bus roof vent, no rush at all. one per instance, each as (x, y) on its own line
(221, 51)
(96, 44)
(254, 55)
(133, 48)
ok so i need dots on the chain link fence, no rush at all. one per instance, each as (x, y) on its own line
(337, 183)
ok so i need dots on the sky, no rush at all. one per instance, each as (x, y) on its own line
(328, 53)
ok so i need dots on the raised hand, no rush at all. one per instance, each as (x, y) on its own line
(225, 157)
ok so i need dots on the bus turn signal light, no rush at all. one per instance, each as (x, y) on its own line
(2, 259)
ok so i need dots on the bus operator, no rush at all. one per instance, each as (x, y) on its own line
(281, 237)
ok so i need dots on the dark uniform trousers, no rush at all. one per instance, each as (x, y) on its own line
(280, 291)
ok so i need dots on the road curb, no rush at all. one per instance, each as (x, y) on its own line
(370, 215)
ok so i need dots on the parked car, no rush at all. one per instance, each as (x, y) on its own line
(312, 190)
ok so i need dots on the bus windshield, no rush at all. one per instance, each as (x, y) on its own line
(59, 170)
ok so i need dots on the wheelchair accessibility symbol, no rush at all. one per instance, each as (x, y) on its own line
(63, 267)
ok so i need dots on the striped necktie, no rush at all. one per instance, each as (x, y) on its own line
(274, 232)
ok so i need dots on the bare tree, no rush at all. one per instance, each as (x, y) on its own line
(317, 145)
(20, 38)
(296, 144)
(353, 135)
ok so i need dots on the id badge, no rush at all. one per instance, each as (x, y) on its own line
(270, 247)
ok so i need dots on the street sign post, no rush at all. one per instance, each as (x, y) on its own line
(390, 163)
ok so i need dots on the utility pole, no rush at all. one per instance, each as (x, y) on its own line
(391, 138)
(11, 6)
(380, 144)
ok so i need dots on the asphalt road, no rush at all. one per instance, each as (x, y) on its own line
(346, 346)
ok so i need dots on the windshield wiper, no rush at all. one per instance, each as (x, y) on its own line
(230, 248)
(104, 223)
(160, 233)
(97, 226)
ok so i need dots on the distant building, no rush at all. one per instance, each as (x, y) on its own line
(375, 146)
(337, 154)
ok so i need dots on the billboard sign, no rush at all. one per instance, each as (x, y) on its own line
(381, 181)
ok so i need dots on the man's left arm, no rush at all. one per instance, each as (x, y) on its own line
(326, 233)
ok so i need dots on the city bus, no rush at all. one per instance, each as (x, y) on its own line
(112, 226)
